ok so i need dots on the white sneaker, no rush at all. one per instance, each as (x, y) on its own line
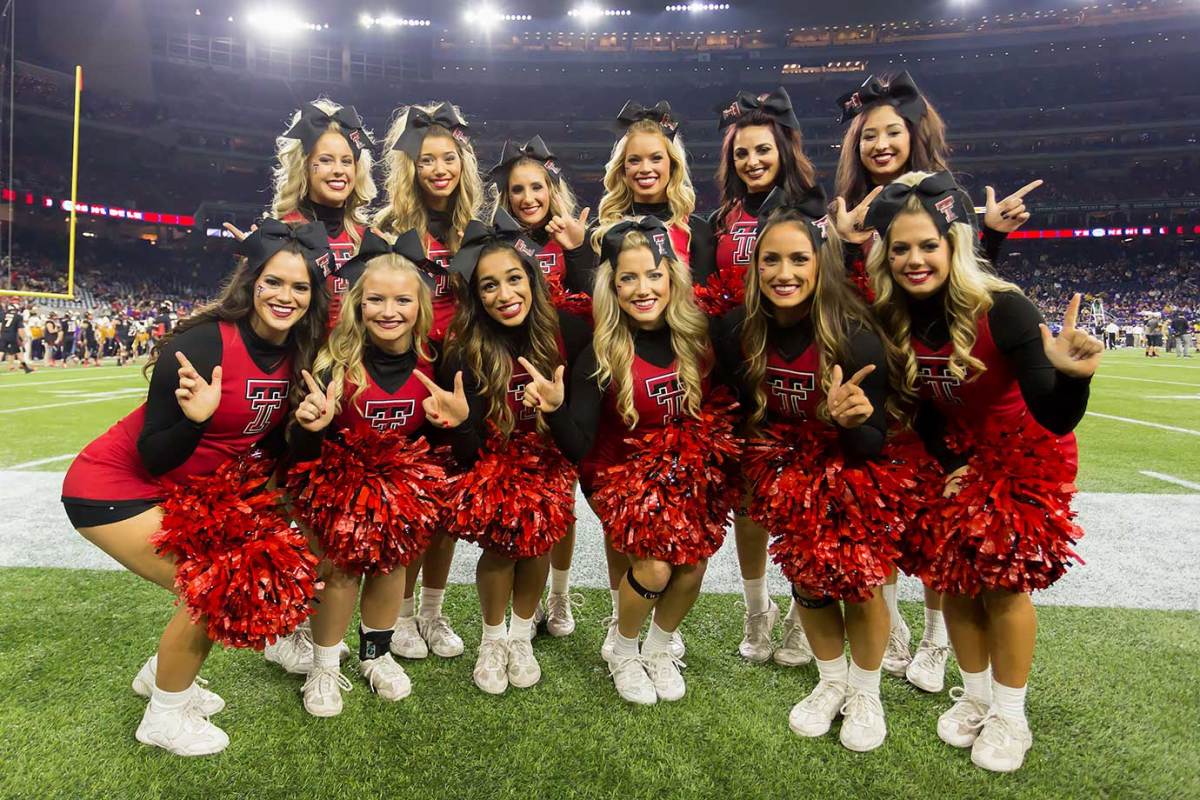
(756, 644)
(184, 731)
(959, 725)
(560, 621)
(523, 668)
(663, 669)
(440, 637)
(813, 715)
(323, 691)
(491, 666)
(678, 648)
(539, 616)
(897, 656)
(1002, 743)
(863, 728)
(794, 650)
(294, 652)
(406, 639)
(632, 682)
(927, 670)
(610, 638)
(386, 678)
(143, 684)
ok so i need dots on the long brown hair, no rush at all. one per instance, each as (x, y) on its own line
(475, 340)
(928, 152)
(236, 302)
(836, 310)
(796, 171)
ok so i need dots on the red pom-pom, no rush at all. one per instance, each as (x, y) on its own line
(919, 542)
(239, 564)
(577, 303)
(672, 497)
(860, 279)
(723, 291)
(1010, 527)
(517, 500)
(836, 527)
(372, 500)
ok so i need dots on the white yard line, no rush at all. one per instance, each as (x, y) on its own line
(1195, 487)
(1172, 428)
(39, 462)
(1147, 380)
(64, 405)
(38, 384)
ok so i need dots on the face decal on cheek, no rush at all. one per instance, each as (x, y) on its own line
(259, 289)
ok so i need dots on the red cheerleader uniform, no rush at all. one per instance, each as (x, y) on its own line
(734, 252)
(663, 489)
(568, 274)
(695, 249)
(341, 244)
(516, 495)
(369, 485)
(1010, 527)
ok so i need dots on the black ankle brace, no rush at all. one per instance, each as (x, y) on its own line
(374, 644)
(812, 603)
(637, 587)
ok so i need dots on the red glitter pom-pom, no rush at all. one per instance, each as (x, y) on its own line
(240, 566)
(918, 543)
(1010, 527)
(672, 498)
(836, 527)
(577, 303)
(517, 500)
(372, 500)
(860, 279)
(722, 292)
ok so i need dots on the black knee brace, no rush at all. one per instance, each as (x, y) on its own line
(642, 590)
(811, 603)
(373, 644)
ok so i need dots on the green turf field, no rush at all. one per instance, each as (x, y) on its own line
(1113, 703)
(56, 412)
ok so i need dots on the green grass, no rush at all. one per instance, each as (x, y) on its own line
(1112, 453)
(1113, 703)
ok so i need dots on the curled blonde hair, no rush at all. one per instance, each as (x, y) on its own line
(617, 201)
(342, 355)
(405, 209)
(612, 339)
(969, 289)
(290, 176)
(562, 199)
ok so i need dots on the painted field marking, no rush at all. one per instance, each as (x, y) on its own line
(63, 405)
(1173, 397)
(39, 462)
(1171, 479)
(39, 384)
(1144, 422)
(1146, 380)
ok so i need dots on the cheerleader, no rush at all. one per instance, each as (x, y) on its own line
(654, 461)
(432, 180)
(516, 498)
(1007, 394)
(803, 327)
(894, 129)
(647, 175)
(222, 384)
(529, 185)
(761, 150)
(370, 396)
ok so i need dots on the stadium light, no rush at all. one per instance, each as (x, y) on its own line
(488, 17)
(280, 20)
(696, 8)
(590, 12)
(389, 21)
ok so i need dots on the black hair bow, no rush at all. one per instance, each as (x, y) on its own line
(478, 235)
(419, 121)
(314, 122)
(511, 153)
(271, 236)
(407, 245)
(650, 227)
(660, 113)
(939, 194)
(812, 206)
(900, 92)
(776, 105)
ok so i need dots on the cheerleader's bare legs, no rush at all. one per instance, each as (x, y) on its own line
(845, 689)
(177, 703)
(506, 656)
(560, 621)
(925, 669)
(381, 598)
(418, 633)
(761, 613)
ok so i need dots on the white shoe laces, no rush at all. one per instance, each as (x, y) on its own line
(559, 605)
(861, 708)
(193, 716)
(439, 628)
(795, 639)
(928, 655)
(823, 695)
(492, 654)
(967, 711)
(997, 730)
(326, 681)
(386, 668)
(897, 645)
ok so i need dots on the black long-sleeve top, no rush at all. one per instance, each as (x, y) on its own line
(1056, 401)
(467, 439)
(168, 437)
(702, 253)
(865, 347)
(578, 263)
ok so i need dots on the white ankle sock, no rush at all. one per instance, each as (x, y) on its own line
(978, 685)
(431, 602)
(520, 628)
(616, 599)
(623, 646)
(893, 605)
(494, 632)
(657, 639)
(793, 614)
(935, 627)
(161, 700)
(755, 592)
(326, 656)
(560, 580)
(369, 629)
(863, 680)
(1009, 701)
(834, 670)
(407, 606)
